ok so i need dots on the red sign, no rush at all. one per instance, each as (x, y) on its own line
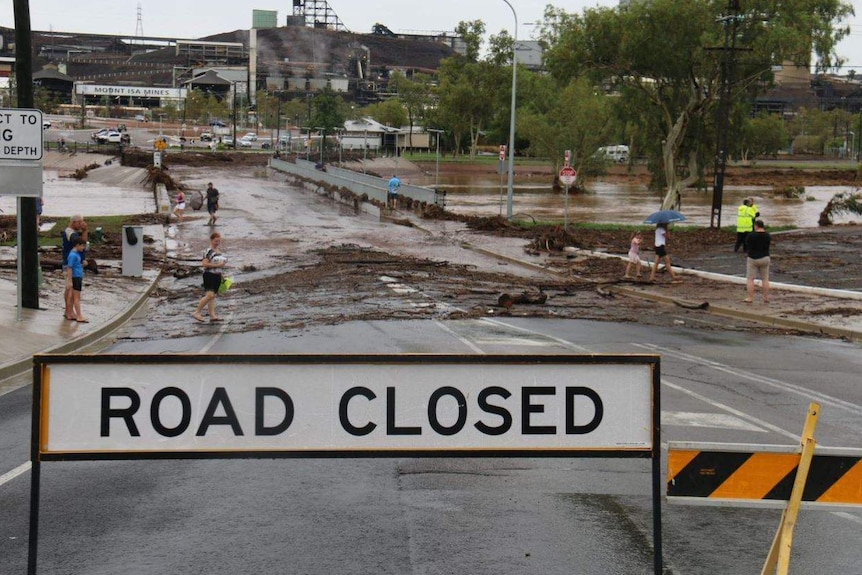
(568, 175)
(502, 153)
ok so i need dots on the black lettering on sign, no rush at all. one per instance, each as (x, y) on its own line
(260, 395)
(343, 409)
(432, 410)
(219, 397)
(504, 414)
(391, 427)
(155, 412)
(571, 393)
(124, 413)
(528, 408)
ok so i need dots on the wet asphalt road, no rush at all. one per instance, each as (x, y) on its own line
(454, 516)
(429, 516)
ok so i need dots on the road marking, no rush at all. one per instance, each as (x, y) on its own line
(848, 516)
(465, 341)
(526, 342)
(562, 342)
(727, 408)
(821, 398)
(697, 419)
(222, 330)
(20, 470)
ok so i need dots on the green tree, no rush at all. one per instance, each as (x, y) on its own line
(813, 129)
(471, 32)
(415, 95)
(762, 135)
(468, 99)
(388, 113)
(578, 119)
(660, 54)
(328, 113)
(500, 49)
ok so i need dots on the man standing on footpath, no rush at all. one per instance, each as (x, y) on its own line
(212, 203)
(758, 260)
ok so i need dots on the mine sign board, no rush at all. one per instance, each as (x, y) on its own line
(183, 406)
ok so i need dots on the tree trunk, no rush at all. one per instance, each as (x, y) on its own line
(670, 150)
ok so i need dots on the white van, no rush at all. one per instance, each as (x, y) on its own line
(616, 154)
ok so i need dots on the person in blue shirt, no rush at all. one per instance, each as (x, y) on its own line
(394, 186)
(75, 278)
(77, 229)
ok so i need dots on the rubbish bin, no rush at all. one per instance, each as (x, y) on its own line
(133, 251)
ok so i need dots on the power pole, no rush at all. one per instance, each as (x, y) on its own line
(728, 66)
(28, 236)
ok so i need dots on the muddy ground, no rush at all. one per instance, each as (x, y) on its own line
(371, 277)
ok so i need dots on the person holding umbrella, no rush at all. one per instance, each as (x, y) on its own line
(661, 236)
(661, 220)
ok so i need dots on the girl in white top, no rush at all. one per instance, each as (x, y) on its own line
(634, 256)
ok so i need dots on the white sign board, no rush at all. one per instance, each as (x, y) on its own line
(23, 179)
(20, 134)
(130, 91)
(543, 407)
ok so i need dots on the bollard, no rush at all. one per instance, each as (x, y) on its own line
(133, 251)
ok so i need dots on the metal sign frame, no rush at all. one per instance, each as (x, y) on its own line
(41, 392)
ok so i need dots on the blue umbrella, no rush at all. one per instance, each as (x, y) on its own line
(665, 217)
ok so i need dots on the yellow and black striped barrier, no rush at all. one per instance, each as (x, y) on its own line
(760, 475)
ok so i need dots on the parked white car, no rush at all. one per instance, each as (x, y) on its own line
(616, 154)
(245, 143)
(113, 137)
(251, 136)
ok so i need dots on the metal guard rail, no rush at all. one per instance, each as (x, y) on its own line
(376, 188)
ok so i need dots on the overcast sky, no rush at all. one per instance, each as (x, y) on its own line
(194, 19)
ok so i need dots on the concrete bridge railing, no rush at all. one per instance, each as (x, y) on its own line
(375, 188)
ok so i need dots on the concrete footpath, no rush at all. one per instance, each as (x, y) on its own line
(110, 298)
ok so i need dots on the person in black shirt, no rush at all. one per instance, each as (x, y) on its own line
(212, 203)
(757, 246)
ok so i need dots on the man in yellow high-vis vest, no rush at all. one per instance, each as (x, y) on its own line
(744, 223)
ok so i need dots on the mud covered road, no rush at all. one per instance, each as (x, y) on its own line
(300, 260)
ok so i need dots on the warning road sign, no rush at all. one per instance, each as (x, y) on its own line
(568, 176)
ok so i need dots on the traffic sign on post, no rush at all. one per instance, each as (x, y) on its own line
(568, 176)
(21, 134)
(502, 153)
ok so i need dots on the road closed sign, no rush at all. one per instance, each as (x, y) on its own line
(107, 406)
(20, 134)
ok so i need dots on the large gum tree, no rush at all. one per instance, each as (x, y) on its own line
(664, 57)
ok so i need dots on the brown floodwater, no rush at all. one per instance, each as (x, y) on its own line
(631, 204)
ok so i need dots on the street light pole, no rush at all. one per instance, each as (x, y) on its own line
(511, 182)
(364, 148)
(437, 172)
(322, 131)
